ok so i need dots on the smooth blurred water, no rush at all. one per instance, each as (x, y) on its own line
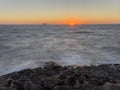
(26, 46)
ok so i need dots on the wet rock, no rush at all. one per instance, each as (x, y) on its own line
(60, 88)
(51, 65)
(71, 80)
(110, 86)
(56, 77)
(62, 76)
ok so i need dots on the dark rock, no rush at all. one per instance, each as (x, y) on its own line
(62, 76)
(51, 65)
(56, 77)
(60, 88)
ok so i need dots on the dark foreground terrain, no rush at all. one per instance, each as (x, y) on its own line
(55, 77)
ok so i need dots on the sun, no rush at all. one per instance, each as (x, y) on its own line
(72, 23)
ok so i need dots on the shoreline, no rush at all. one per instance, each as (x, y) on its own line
(56, 77)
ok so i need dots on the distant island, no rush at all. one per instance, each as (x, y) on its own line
(44, 23)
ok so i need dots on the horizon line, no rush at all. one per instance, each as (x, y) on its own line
(58, 24)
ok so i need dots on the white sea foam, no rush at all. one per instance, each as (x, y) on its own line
(24, 47)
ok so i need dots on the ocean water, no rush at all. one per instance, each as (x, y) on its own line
(27, 46)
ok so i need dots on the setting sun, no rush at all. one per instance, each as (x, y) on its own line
(72, 23)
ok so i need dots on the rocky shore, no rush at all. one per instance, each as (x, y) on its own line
(55, 77)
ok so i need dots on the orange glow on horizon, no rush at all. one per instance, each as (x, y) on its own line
(64, 20)
(72, 23)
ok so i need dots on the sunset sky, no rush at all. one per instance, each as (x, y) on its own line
(59, 11)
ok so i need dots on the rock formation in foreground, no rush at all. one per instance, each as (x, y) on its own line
(55, 77)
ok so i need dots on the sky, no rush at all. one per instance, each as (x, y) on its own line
(59, 11)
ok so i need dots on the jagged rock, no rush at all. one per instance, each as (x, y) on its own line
(51, 65)
(60, 88)
(55, 77)
(110, 86)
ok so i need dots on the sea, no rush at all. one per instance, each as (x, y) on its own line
(28, 46)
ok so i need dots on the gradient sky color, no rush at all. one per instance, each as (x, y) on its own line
(59, 11)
